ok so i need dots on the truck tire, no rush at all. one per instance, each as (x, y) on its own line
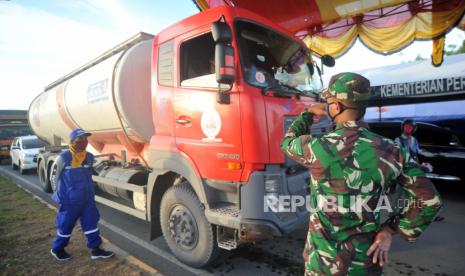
(43, 179)
(53, 177)
(21, 170)
(13, 165)
(185, 228)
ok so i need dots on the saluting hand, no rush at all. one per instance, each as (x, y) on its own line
(317, 109)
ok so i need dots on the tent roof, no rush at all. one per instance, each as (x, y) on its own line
(331, 27)
(428, 108)
(453, 66)
(417, 82)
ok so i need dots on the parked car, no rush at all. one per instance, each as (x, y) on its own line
(438, 146)
(23, 152)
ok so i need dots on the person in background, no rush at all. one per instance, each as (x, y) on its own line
(411, 148)
(76, 198)
(408, 143)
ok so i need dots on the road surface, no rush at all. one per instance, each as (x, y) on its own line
(440, 250)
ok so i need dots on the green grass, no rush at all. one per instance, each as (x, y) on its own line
(27, 228)
(18, 210)
(17, 205)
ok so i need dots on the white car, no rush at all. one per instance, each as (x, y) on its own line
(23, 152)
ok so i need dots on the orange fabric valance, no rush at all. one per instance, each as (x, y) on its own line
(389, 39)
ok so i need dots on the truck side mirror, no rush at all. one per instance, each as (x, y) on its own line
(221, 32)
(311, 69)
(328, 60)
(225, 68)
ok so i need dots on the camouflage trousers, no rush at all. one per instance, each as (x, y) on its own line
(325, 256)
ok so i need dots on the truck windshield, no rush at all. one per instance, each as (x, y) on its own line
(270, 59)
(33, 144)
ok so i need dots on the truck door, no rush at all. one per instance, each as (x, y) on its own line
(208, 132)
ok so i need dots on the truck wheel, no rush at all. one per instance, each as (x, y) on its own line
(53, 177)
(185, 228)
(21, 170)
(44, 181)
(13, 165)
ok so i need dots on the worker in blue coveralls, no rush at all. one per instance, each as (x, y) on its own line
(76, 198)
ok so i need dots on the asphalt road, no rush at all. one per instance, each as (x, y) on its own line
(439, 251)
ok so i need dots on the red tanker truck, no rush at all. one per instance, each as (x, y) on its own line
(186, 127)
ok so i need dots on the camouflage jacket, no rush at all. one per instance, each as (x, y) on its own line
(352, 164)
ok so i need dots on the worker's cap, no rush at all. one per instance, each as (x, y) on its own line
(78, 133)
(348, 86)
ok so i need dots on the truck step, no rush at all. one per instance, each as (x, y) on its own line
(227, 210)
(227, 215)
(227, 238)
(228, 244)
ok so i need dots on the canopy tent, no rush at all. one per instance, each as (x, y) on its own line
(417, 82)
(438, 94)
(384, 26)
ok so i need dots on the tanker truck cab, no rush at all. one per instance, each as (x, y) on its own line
(218, 130)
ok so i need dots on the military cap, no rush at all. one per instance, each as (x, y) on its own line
(348, 86)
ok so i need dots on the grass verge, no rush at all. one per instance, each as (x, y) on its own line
(27, 228)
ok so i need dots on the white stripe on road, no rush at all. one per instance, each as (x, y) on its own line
(121, 232)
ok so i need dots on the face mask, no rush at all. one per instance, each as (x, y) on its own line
(408, 129)
(327, 111)
(342, 109)
(80, 145)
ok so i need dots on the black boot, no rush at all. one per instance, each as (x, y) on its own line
(98, 253)
(60, 255)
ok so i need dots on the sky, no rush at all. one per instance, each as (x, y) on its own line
(40, 41)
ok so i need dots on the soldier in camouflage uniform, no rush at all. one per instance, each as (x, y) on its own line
(353, 161)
